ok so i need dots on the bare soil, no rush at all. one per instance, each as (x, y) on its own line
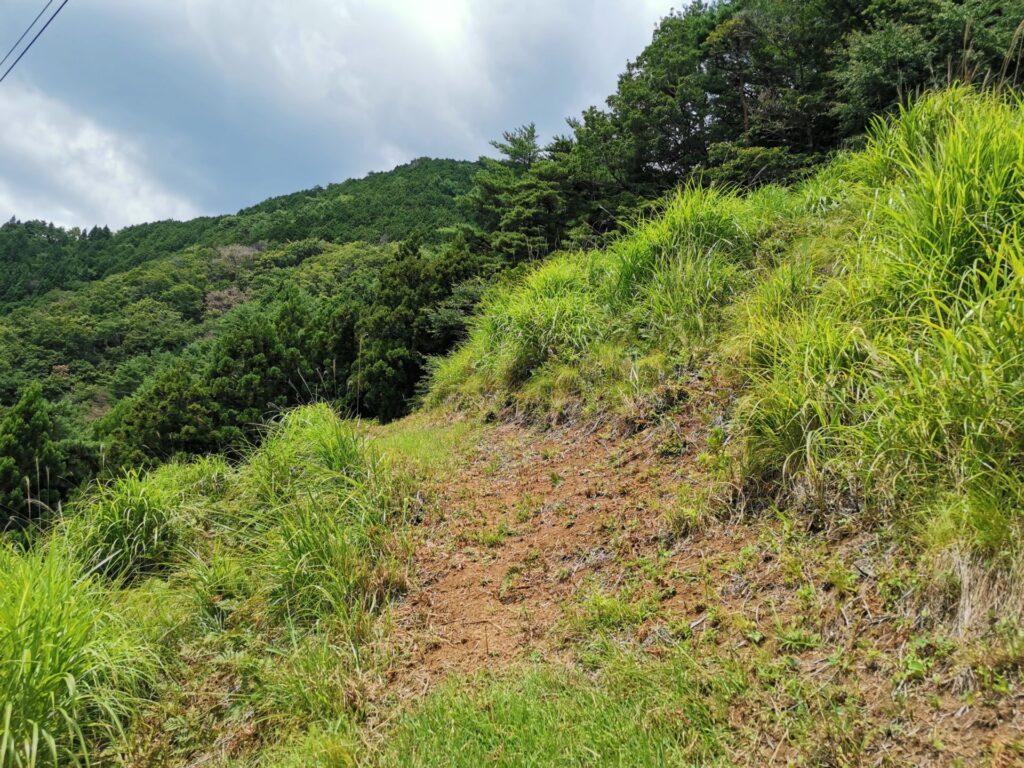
(532, 518)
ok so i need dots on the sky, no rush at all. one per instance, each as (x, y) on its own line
(127, 111)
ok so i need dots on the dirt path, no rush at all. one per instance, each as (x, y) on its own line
(519, 528)
(531, 520)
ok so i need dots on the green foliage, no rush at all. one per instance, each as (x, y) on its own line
(908, 46)
(125, 528)
(333, 552)
(72, 666)
(735, 92)
(872, 315)
(360, 341)
(597, 325)
(898, 377)
(271, 572)
(631, 713)
(30, 466)
(40, 460)
(220, 583)
(732, 94)
(36, 257)
(155, 310)
(322, 509)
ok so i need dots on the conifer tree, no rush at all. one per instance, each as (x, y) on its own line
(30, 465)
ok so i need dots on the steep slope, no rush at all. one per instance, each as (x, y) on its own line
(743, 488)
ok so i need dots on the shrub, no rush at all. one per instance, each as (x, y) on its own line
(334, 556)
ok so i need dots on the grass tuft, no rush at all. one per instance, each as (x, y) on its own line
(72, 669)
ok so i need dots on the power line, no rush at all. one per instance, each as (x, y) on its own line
(32, 42)
(23, 34)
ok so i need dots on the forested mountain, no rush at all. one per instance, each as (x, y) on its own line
(138, 353)
(36, 257)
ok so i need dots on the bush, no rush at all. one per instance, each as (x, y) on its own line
(327, 507)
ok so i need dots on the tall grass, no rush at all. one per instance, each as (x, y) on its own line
(297, 545)
(126, 528)
(872, 318)
(334, 557)
(900, 379)
(330, 512)
(71, 668)
(600, 329)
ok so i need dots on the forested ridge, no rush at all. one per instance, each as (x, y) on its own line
(779, 268)
(37, 257)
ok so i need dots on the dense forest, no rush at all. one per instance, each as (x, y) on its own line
(37, 257)
(139, 338)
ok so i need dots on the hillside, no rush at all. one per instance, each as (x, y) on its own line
(741, 488)
(36, 257)
(692, 437)
(140, 307)
(173, 339)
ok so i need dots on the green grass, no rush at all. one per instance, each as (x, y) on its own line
(629, 710)
(260, 586)
(603, 330)
(632, 713)
(425, 442)
(895, 380)
(72, 667)
(870, 318)
(125, 528)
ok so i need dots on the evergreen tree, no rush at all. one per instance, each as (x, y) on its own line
(30, 464)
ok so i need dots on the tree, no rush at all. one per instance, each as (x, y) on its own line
(909, 45)
(516, 208)
(30, 464)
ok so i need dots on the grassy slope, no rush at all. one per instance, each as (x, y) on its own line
(250, 593)
(867, 326)
(870, 320)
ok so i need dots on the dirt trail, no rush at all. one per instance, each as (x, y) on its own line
(530, 520)
(520, 526)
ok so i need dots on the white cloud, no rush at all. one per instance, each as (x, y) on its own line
(73, 171)
(371, 83)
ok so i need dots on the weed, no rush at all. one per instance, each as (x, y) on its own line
(126, 528)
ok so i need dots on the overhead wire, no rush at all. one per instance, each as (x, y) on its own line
(23, 34)
(28, 47)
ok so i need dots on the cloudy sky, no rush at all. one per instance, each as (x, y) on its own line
(134, 110)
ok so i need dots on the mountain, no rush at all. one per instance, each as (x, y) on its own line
(36, 257)
(689, 438)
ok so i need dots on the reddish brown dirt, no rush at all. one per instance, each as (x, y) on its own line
(517, 530)
(531, 519)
